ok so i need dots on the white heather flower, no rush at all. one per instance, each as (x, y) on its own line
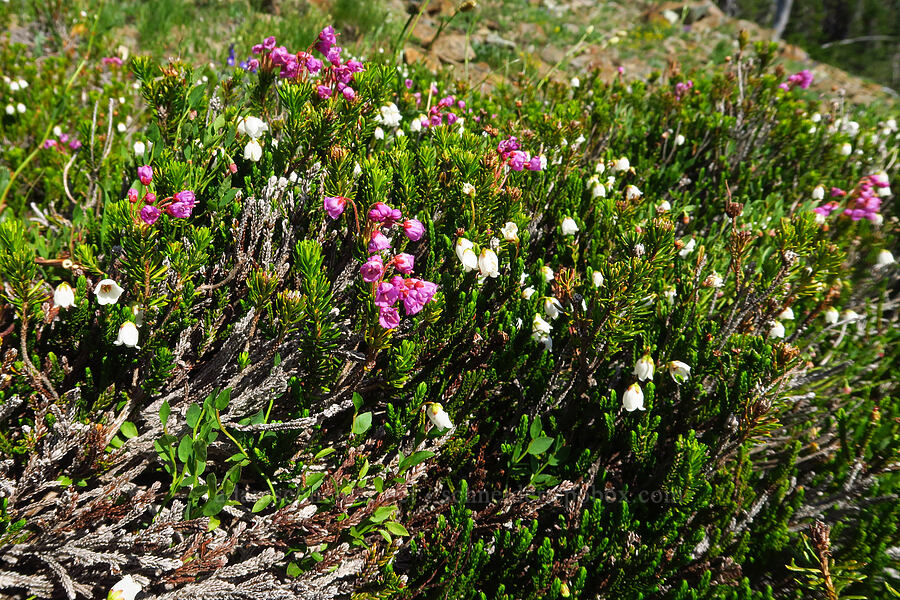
(878, 219)
(128, 335)
(439, 417)
(510, 231)
(548, 273)
(679, 140)
(633, 398)
(776, 330)
(816, 117)
(126, 589)
(818, 192)
(787, 314)
(20, 107)
(14, 86)
(139, 148)
(468, 189)
(488, 263)
(643, 368)
(569, 226)
(678, 370)
(575, 82)
(621, 164)
(846, 149)
(528, 292)
(597, 278)
(598, 191)
(416, 125)
(850, 315)
(466, 255)
(664, 207)
(639, 250)
(539, 325)
(120, 127)
(107, 291)
(389, 115)
(252, 126)
(57, 131)
(831, 315)
(253, 151)
(669, 293)
(10, 109)
(884, 259)
(552, 307)
(64, 296)
(357, 171)
(632, 192)
(714, 280)
(600, 167)
(379, 133)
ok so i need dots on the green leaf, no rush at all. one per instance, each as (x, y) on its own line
(357, 401)
(184, 448)
(396, 528)
(539, 445)
(362, 423)
(414, 459)
(293, 570)
(193, 415)
(164, 412)
(223, 399)
(378, 484)
(314, 480)
(382, 513)
(262, 503)
(536, 428)
(214, 505)
(385, 535)
(323, 453)
(128, 430)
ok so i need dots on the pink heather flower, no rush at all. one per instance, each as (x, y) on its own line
(313, 65)
(517, 160)
(74, 144)
(461, 104)
(372, 269)
(417, 294)
(408, 83)
(257, 49)
(279, 55)
(413, 229)
(452, 118)
(335, 205)
(64, 138)
(132, 195)
(334, 55)
(290, 69)
(418, 97)
(348, 93)
(784, 85)
(145, 174)
(149, 198)
(179, 210)
(880, 180)
(534, 164)
(149, 214)
(803, 79)
(378, 242)
(269, 43)
(403, 262)
(49, 144)
(388, 317)
(186, 196)
(435, 120)
(252, 65)
(112, 60)
(837, 192)
(327, 39)
(508, 145)
(386, 294)
(355, 66)
(323, 91)
(380, 212)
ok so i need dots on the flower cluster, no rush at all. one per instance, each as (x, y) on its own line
(254, 128)
(517, 159)
(336, 76)
(864, 202)
(411, 292)
(107, 292)
(65, 140)
(178, 206)
(803, 80)
(440, 113)
(633, 398)
(682, 88)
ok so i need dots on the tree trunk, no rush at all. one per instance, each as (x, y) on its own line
(782, 14)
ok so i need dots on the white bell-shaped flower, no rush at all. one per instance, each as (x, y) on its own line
(633, 398)
(253, 151)
(488, 263)
(126, 589)
(831, 315)
(252, 126)
(128, 335)
(438, 416)
(643, 368)
(552, 307)
(64, 296)
(776, 330)
(569, 226)
(678, 370)
(510, 232)
(107, 291)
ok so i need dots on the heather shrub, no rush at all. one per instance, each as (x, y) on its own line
(322, 326)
